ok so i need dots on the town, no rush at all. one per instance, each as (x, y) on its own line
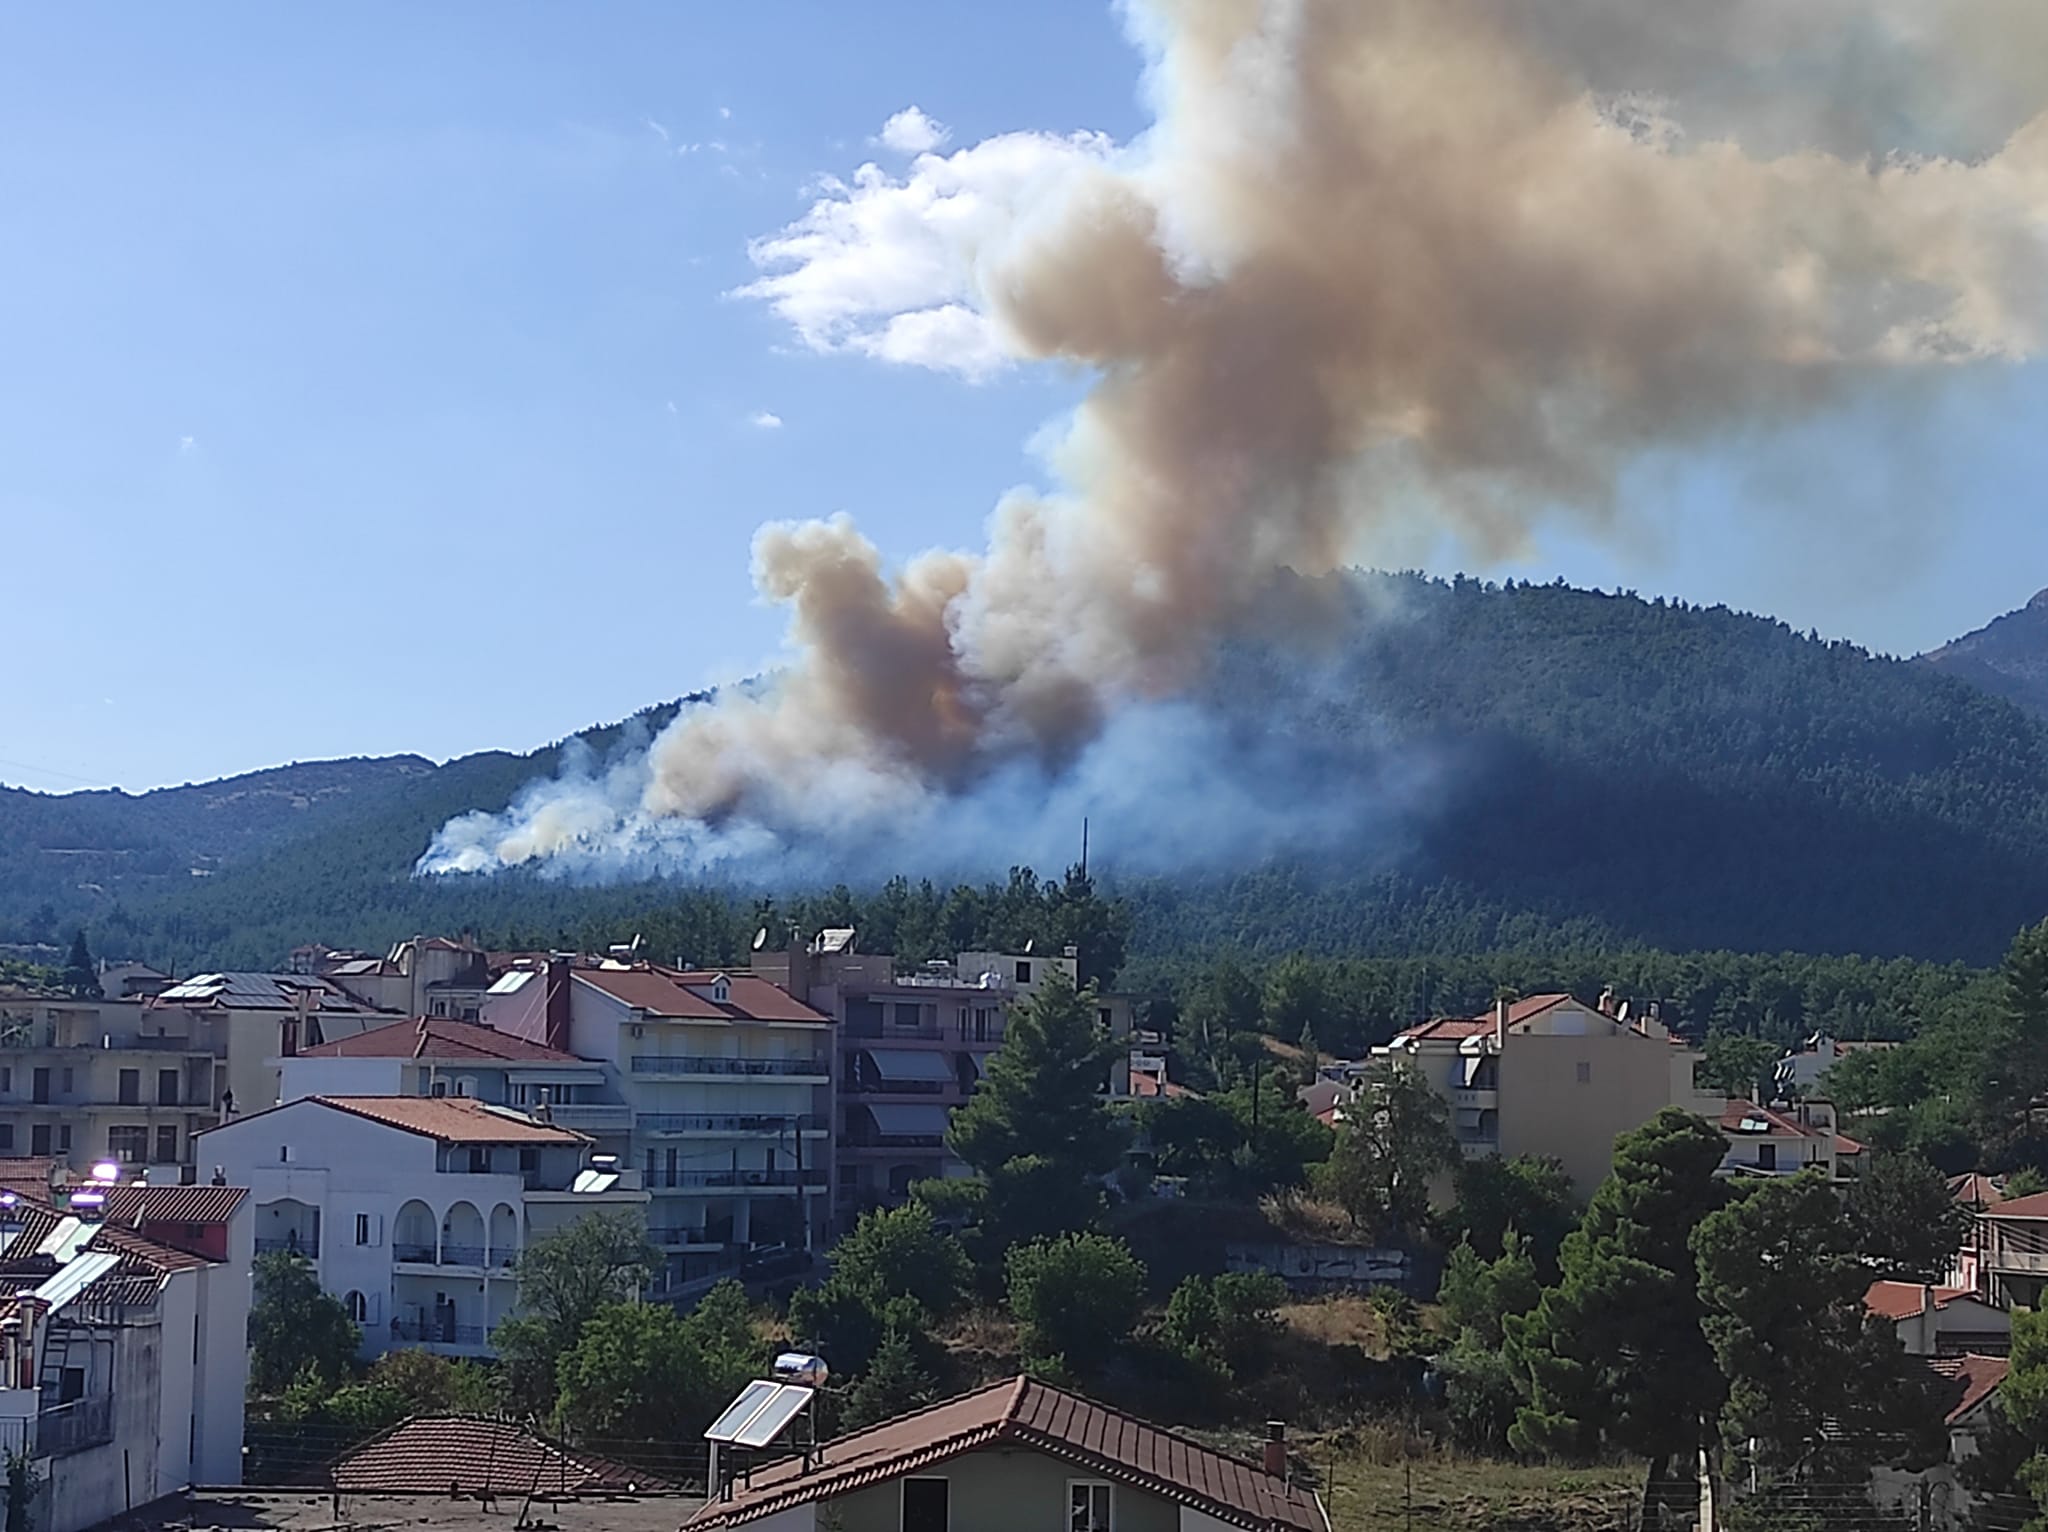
(512, 1223)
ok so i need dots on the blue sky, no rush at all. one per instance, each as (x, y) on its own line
(372, 383)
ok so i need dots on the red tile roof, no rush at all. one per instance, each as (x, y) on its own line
(136, 1205)
(1976, 1190)
(471, 1455)
(1024, 1413)
(1449, 1027)
(687, 995)
(1778, 1125)
(1966, 1381)
(1145, 1085)
(1907, 1300)
(2035, 1206)
(451, 1119)
(438, 1037)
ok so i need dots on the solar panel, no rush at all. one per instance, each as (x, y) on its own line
(774, 1417)
(741, 1410)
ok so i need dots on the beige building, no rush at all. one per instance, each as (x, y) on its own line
(1553, 1077)
(258, 1018)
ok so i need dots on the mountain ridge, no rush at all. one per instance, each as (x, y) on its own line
(2007, 657)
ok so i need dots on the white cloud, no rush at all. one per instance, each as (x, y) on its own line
(187, 445)
(766, 420)
(655, 128)
(725, 113)
(885, 265)
(910, 131)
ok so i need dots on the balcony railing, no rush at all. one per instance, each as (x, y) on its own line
(2017, 1260)
(697, 1240)
(269, 1245)
(712, 1122)
(462, 1255)
(73, 1427)
(412, 1250)
(685, 1178)
(441, 1332)
(590, 1115)
(718, 1064)
(872, 1085)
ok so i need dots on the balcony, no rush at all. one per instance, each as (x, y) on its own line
(591, 1117)
(1478, 1148)
(74, 1427)
(2032, 1261)
(692, 1241)
(1475, 1098)
(462, 1255)
(404, 1251)
(718, 1065)
(309, 1248)
(438, 1332)
(671, 1180)
(766, 1125)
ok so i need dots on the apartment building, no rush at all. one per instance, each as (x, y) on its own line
(727, 1079)
(2006, 1258)
(123, 1344)
(1554, 1077)
(913, 1043)
(1786, 1139)
(84, 1081)
(259, 1018)
(414, 1210)
(436, 976)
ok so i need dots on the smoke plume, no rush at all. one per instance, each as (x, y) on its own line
(1456, 262)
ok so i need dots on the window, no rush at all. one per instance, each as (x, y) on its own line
(39, 1085)
(529, 1161)
(67, 1087)
(1023, 972)
(926, 1506)
(39, 1138)
(127, 1144)
(1766, 1156)
(166, 1146)
(440, 1087)
(195, 1337)
(130, 1087)
(907, 1017)
(63, 1138)
(479, 1160)
(440, 1008)
(1087, 1505)
(358, 1306)
(1585, 1072)
(284, 1154)
(167, 1087)
(6, 1078)
(7, 1137)
(363, 1235)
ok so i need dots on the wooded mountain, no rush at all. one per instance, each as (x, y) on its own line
(1582, 768)
(2007, 657)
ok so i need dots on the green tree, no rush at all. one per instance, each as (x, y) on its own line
(81, 978)
(565, 1279)
(295, 1328)
(1395, 1138)
(1233, 1318)
(2025, 1182)
(1903, 1220)
(1038, 1131)
(644, 1372)
(1528, 1194)
(894, 1383)
(1614, 1356)
(1739, 1065)
(1076, 1296)
(902, 1252)
(432, 1384)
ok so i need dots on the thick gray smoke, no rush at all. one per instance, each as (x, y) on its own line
(1449, 261)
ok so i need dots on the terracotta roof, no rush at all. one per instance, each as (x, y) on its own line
(1145, 1085)
(140, 1255)
(438, 1037)
(1907, 1300)
(1847, 1145)
(1448, 1027)
(1976, 1189)
(2035, 1206)
(469, 1454)
(1737, 1111)
(1966, 1381)
(687, 995)
(135, 1204)
(451, 1119)
(1022, 1412)
(35, 1174)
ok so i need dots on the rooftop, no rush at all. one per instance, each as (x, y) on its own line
(1454, 1027)
(1907, 1300)
(1022, 1412)
(1966, 1382)
(258, 1511)
(438, 1037)
(136, 1204)
(257, 992)
(474, 1455)
(446, 1119)
(1740, 1116)
(687, 995)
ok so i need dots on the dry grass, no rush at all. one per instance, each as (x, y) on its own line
(1302, 1217)
(1377, 1480)
(1337, 1319)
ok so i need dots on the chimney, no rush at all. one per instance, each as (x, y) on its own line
(1276, 1443)
(1501, 1007)
(556, 1034)
(1607, 1001)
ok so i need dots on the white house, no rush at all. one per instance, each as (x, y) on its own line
(729, 1082)
(413, 1209)
(1801, 1070)
(123, 1343)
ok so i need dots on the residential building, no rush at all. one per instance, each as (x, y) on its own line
(1800, 1072)
(1018, 1456)
(1938, 1499)
(413, 1210)
(913, 1043)
(123, 1353)
(1940, 1321)
(258, 1018)
(1782, 1140)
(476, 1456)
(1977, 1193)
(422, 976)
(2008, 1253)
(728, 1078)
(433, 1057)
(1552, 1077)
(85, 1081)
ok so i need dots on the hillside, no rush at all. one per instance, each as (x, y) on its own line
(2007, 657)
(1582, 768)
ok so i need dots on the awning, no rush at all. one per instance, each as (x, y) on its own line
(908, 1064)
(908, 1121)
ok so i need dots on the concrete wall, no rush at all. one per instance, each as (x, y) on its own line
(1001, 1491)
(1568, 1096)
(301, 1077)
(86, 1488)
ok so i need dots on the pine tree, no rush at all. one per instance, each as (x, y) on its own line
(81, 978)
(895, 1383)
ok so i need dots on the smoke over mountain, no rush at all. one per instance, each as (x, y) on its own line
(1456, 262)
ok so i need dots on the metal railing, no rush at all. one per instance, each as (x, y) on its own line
(411, 1250)
(462, 1255)
(675, 1178)
(444, 1332)
(309, 1248)
(713, 1122)
(75, 1426)
(716, 1064)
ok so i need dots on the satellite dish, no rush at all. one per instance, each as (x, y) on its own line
(760, 938)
